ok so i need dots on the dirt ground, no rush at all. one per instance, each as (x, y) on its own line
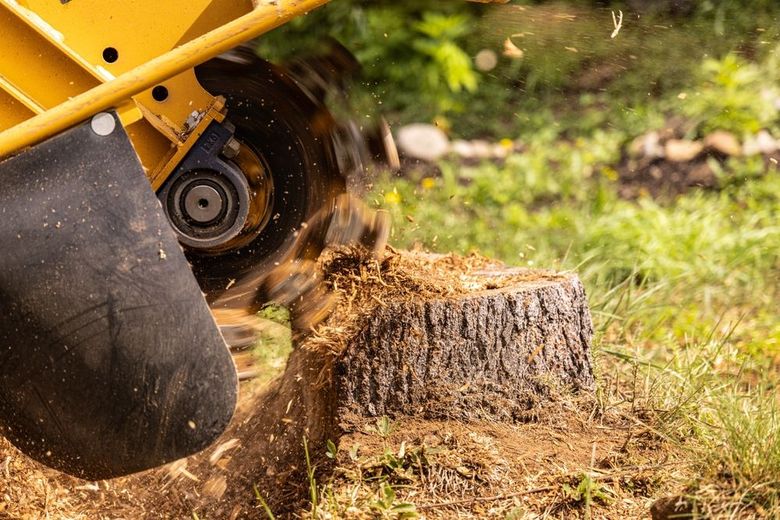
(540, 469)
(573, 457)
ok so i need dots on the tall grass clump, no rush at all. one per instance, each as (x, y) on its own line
(728, 425)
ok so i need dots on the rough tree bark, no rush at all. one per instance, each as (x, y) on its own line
(486, 354)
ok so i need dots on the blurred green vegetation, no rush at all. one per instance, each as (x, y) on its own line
(411, 52)
(418, 56)
(735, 95)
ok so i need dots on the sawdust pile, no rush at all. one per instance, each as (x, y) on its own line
(362, 282)
(418, 275)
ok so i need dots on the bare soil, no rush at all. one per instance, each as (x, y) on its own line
(664, 179)
(473, 470)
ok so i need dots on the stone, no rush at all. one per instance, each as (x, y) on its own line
(500, 151)
(761, 144)
(422, 141)
(682, 150)
(723, 142)
(646, 146)
(668, 508)
(462, 149)
(482, 149)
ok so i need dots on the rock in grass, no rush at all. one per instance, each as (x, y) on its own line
(647, 146)
(761, 143)
(682, 150)
(724, 143)
(668, 508)
(422, 141)
(481, 149)
(463, 149)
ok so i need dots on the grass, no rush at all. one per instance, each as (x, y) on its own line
(374, 480)
(273, 344)
(726, 423)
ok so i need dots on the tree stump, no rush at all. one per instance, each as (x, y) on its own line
(488, 353)
(438, 337)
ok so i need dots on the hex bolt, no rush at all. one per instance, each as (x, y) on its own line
(231, 148)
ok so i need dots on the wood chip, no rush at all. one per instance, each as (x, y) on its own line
(220, 450)
(215, 487)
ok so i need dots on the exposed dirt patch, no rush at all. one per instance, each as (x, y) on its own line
(471, 470)
(489, 470)
(663, 164)
(664, 179)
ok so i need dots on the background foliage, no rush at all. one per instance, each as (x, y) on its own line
(417, 56)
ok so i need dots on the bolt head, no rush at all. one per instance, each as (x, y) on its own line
(231, 148)
(103, 124)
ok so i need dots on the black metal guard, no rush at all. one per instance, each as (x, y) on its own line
(110, 361)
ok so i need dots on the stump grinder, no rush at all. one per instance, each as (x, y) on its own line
(154, 170)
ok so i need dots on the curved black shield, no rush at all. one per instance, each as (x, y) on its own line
(110, 361)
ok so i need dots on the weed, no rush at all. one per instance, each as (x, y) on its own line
(587, 492)
(331, 450)
(517, 513)
(264, 504)
(387, 506)
(383, 427)
(371, 485)
(733, 95)
(313, 491)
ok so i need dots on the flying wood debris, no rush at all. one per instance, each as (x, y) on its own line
(617, 22)
(511, 50)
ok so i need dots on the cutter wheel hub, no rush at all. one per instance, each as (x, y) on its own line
(208, 208)
(250, 192)
(280, 141)
(204, 204)
(216, 204)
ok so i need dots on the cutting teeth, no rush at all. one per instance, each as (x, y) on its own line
(353, 223)
(298, 283)
(240, 329)
(245, 365)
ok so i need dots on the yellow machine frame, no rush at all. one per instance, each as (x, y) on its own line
(64, 61)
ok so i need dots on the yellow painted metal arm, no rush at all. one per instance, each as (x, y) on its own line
(262, 19)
